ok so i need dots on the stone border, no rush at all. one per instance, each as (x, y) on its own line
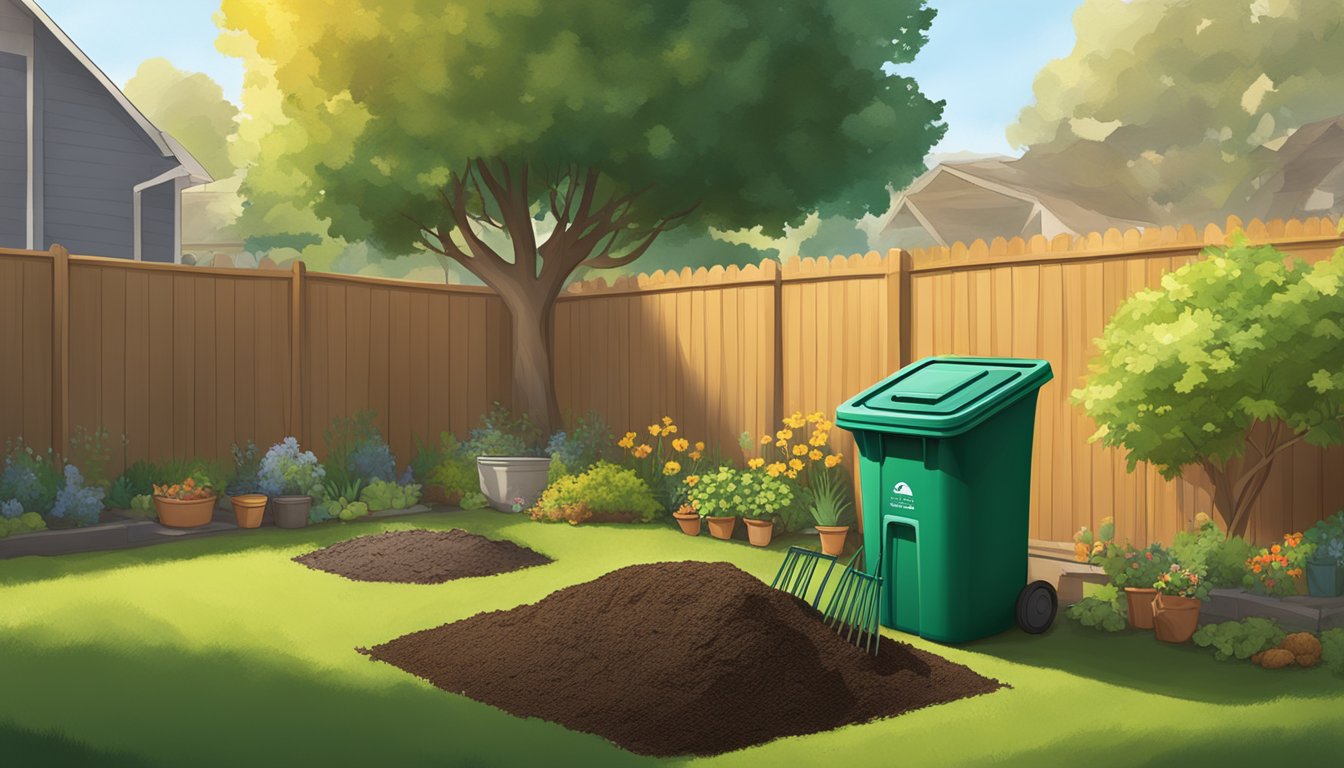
(134, 533)
(1301, 614)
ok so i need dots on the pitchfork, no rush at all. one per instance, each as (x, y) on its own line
(853, 610)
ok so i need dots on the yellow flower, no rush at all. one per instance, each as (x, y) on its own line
(628, 441)
(680, 445)
(784, 434)
(818, 438)
(814, 455)
(692, 479)
(782, 444)
(667, 420)
(655, 430)
(669, 429)
(795, 464)
(824, 425)
(775, 469)
(799, 450)
(792, 475)
(832, 460)
(814, 417)
(642, 451)
(756, 463)
(765, 440)
(699, 445)
(695, 455)
(671, 468)
(796, 420)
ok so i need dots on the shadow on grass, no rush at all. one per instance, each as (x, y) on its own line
(23, 570)
(1136, 659)
(167, 705)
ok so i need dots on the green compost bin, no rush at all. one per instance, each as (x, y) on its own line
(945, 474)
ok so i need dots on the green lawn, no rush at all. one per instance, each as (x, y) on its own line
(223, 652)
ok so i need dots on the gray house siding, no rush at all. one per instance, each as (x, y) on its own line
(93, 155)
(13, 151)
(157, 219)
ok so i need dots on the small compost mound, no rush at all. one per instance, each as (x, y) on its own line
(677, 658)
(421, 557)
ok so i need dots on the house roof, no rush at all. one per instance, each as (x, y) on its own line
(1305, 174)
(165, 142)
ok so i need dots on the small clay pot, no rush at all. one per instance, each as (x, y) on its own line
(689, 522)
(248, 509)
(1140, 602)
(177, 513)
(759, 532)
(1175, 619)
(291, 511)
(722, 527)
(832, 538)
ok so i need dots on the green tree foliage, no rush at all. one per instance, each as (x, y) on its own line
(189, 106)
(581, 131)
(1232, 361)
(1185, 91)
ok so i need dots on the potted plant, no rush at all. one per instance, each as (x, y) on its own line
(1135, 571)
(764, 496)
(688, 519)
(831, 509)
(293, 480)
(715, 496)
(1176, 606)
(188, 504)
(244, 490)
(1325, 566)
(510, 463)
(1280, 569)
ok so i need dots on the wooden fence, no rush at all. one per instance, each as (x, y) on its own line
(187, 361)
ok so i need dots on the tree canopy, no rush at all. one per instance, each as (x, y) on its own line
(1186, 91)
(1234, 359)
(191, 107)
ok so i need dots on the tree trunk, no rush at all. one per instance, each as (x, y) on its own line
(531, 309)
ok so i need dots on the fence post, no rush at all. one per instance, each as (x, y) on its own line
(898, 310)
(60, 349)
(296, 341)
(777, 380)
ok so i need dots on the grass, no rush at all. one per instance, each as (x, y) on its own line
(221, 651)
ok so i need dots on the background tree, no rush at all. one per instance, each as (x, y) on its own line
(1232, 361)
(1185, 91)
(583, 131)
(191, 107)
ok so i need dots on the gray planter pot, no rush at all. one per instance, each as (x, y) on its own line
(505, 478)
(291, 511)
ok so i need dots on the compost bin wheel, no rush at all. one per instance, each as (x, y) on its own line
(1036, 607)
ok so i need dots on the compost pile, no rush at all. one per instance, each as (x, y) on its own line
(421, 557)
(677, 658)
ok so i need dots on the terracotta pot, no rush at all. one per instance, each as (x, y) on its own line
(722, 527)
(248, 509)
(759, 532)
(175, 513)
(291, 511)
(832, 538)
(1175, 619)
(689, 522)
(505, 478)
(1140, 607)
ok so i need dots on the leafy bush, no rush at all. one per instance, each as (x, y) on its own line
(356, 451)
(1327, 538)
(143, 506)
(246, 466)
(1180, 582)
(605, 493)
(23, 523)
(121, 493)
(474, 500)
(1239, 639)
(1104, 609)
(503, 434)
(337, 509)
(373, 461)
(583, 446)
(1138, 568)
(76, 503)
(10, 509)
(1089, 546)
(728, 492)
(1332, 650)
(1273, 569)
(89, 449)
(30, 478)
(287, 471)
(381, 495)
(556, 470)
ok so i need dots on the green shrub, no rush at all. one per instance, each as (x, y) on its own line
(1138, 568)
(89, 450)
(121, 494)
(143, 506)
(1332, 650)
(1239, 639)
(381, 495)
(504, 434)
(605, 493)
(729, 492)
(556, 470)
(430, 455)
(1104, 609)
(474, 500)
(456, 473)
(30, 478)
(24, 523)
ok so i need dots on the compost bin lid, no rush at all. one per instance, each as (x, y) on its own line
(943, 396)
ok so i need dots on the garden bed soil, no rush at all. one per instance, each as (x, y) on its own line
(677, 658)
(421, 557)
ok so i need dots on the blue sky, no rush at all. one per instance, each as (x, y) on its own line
(981, 57)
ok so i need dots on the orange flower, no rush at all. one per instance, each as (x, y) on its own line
(1275, 549)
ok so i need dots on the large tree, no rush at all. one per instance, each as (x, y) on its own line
(582, 131)
(191, 107)
(1184, 92)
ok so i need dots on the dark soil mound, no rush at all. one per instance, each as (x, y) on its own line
(421, 557)
(677, 658)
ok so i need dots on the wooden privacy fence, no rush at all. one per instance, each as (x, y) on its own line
(187, 361)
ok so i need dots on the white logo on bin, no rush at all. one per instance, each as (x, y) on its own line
(902, 497)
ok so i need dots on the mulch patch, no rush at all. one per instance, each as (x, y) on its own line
(421, 557)
(677, 658)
